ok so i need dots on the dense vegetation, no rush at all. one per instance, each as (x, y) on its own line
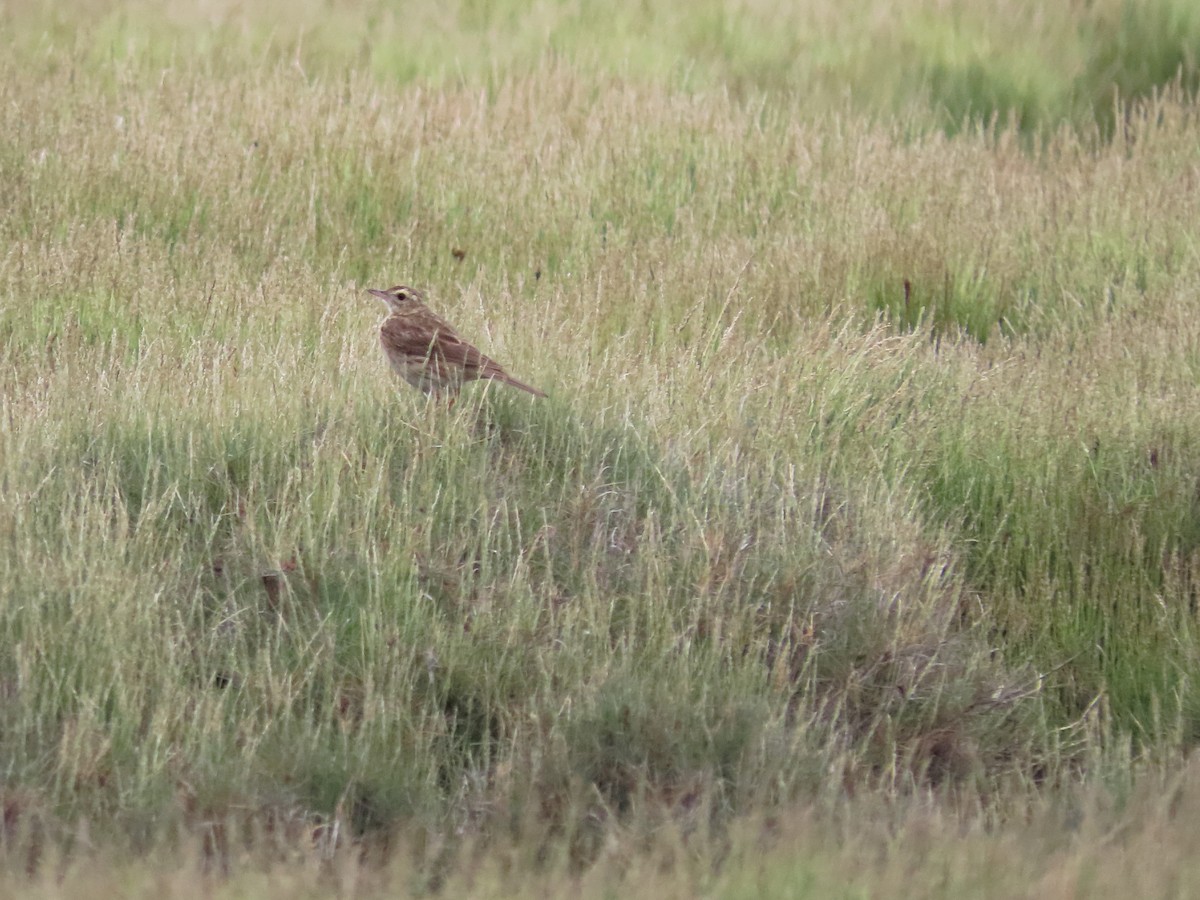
(860, 530)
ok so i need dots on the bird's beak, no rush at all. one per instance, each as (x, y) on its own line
(382, 295)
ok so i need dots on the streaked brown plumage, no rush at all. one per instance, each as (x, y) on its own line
(426, 351)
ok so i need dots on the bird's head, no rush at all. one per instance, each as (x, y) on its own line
(398, 297)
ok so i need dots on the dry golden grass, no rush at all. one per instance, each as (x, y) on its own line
(1084, 846)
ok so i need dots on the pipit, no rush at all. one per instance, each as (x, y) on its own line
(426, 351)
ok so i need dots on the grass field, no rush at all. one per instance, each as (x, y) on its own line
(855, 552)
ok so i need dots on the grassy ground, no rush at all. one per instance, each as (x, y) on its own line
(857, 543)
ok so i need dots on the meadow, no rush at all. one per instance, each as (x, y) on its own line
(854, 552)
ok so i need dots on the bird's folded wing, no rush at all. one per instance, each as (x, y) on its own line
(440, 347)
(458, 352)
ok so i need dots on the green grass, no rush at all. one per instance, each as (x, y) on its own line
(858, 532)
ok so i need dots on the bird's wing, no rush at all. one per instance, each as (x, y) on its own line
(460, 354)
(440, 345)
(410, 337)
(475, 365)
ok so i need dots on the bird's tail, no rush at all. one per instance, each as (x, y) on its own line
(508, 379)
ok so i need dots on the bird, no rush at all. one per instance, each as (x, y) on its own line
(426, 351)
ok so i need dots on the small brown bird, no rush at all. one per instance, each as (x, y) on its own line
(426, 351)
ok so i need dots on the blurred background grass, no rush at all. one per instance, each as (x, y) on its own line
(953, 63)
